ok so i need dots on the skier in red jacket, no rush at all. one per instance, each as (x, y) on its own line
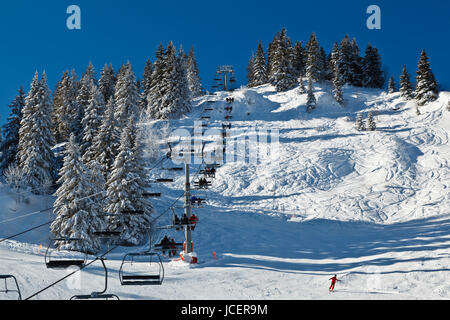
(333, 283)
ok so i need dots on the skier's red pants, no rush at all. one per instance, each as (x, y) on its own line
(332, 285)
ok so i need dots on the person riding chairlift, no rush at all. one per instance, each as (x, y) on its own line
(193, 220)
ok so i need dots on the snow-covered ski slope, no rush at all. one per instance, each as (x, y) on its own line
(371, 207)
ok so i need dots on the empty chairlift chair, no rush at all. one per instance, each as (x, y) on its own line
(60, 253)
(6, 290)
(98, 295)
(141, 269)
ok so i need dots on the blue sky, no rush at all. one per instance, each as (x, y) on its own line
(35, 37)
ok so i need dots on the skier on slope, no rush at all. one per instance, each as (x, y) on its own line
(333, 283)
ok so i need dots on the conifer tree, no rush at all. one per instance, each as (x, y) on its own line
(406, 89)
(371, 125)
(337, 86)
(392, 87)
(258, 69)
(106, 142)
(250, 65)
(313, 62)
(298, 61)
(35, 157)
(193, 77)
(301, 85)
(65, 107)
(360, 126)
(311, 99)
(10, 131)
(77, 213)
(157, 90)
(107, 82)
(356, 65)
(372, 73)
(126, 96)
(125, 190)
(346, 60)
(93, 116)
(426, 85)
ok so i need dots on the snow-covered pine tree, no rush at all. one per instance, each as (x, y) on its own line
(125, 189)
(448, 106)
(313, 61)
(193, 76)
(157, 90)
(259, 72)
(392, 87)
(371, 125)
(337, 85)
(325, 73)
(360, 126)
(107, 82)
(146, 85)
(426, 85)
(76, 209)
(126, 96)
(346, 60)
(182, 84)
(175, 98)
(250, 80)
(356, 65)
(298, 60)
(35, 157)
(64, 103)
(311, 99)
(106, 142)
(283, 74)
(10, 132)
(334, 58)
(372, 73)
(406, 89)
(301, 85)
(92, 119)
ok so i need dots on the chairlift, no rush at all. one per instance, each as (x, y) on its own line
(167, 245)
(226, 126)
(228, 117)
(209, 172)
(141, 269)
(59, 258)
(205, 117)
(202, 184)
(98, 295)
(152, 194)
(6, 290)
(132, 212)
(164, 180)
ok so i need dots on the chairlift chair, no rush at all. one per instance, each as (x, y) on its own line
(6, 290)
(98, 295)
(141, 269)
(55, 258)
(199, 186)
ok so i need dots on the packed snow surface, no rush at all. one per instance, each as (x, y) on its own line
(321, 199)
